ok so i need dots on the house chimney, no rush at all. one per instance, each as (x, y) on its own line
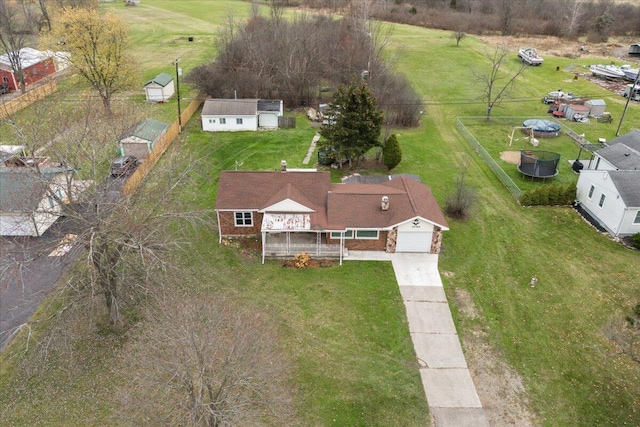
(385, 203)
(283, 166)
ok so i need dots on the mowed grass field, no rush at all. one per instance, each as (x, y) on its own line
(344, 327)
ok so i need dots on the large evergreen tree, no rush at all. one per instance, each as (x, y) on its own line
(353, 123)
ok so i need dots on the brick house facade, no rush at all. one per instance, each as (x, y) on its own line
(295, 211)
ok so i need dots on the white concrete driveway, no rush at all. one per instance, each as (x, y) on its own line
(450, 391)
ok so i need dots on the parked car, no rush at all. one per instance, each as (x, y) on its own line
(123, 165)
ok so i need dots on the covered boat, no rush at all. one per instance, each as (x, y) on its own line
(606, 71)
(530, 56)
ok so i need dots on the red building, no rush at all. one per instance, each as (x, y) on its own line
(36, 65)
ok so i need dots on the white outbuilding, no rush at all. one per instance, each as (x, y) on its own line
(596, 107)
(160, 88)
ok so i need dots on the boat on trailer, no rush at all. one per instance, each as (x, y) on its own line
(629, 73)
(607, 71)
(530, 56)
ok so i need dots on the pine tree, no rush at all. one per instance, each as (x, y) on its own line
(354, 122)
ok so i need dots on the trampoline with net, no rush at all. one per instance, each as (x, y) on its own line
(539, 163)
(543, 128)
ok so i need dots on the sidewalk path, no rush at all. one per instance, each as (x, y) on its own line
(312, 148)
(447, 383)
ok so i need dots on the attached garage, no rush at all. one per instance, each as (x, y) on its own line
(414, 236)
(267, 120)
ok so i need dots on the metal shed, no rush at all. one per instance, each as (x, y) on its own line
(572, 110)
(596, 107)
(160, 88)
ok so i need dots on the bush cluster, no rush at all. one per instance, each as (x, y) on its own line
(635, 240)
(549, 195)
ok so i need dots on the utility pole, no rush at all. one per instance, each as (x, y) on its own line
(631, 92)
(178, 72)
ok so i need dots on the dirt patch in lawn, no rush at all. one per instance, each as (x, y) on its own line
(512, 157)
(499, 386)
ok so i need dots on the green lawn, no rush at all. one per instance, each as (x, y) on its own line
(345, 326)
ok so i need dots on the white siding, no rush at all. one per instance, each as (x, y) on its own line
(612, 213)
(16, 225)
(212, 123)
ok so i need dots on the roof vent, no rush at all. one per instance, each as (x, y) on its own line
(283, 166)
(385, 203)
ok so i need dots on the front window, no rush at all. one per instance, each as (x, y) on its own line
(637, 220)
(223, 121)
(347, 234)
(366, 234)
(601, 200)
(244, 219)
(591, 191)
(238, 121)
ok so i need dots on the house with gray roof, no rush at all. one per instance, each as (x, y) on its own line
(228, 115)
(31, 198)
(160, 88)
(295, 211)
(609, 190)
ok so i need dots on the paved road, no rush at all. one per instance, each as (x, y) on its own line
(28, 273)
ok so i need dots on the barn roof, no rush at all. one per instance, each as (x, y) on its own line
(28, 57)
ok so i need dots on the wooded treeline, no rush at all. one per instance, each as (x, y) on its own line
(304, 59)
(595, 19)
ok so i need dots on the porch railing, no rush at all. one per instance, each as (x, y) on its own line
(282, 249)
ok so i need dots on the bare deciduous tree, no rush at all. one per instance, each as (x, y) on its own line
(497, 82)
(126, 239)
(206, 361)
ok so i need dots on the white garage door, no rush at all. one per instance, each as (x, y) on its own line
(154, 94)
(268, 121)
(413, 241)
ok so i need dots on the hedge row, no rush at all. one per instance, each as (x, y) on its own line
(549, 195)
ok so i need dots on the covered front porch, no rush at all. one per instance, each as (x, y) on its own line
(290, 243)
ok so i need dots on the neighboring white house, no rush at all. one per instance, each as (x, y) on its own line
(220, 115)
(160, 88)
(609, 190)
(30, 200)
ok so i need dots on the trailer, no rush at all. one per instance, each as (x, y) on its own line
(632, 92)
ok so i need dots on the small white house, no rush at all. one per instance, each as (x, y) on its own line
(596, 107)
(609, 190)
(220, 115)
(612, 198)
(160, 88)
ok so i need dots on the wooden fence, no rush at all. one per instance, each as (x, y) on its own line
(41, 91)
(159, 148)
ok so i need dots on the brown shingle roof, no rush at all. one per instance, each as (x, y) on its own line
(359, 205)
(337, 206)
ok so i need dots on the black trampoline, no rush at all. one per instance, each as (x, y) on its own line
(539, 163)
(543, 128)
